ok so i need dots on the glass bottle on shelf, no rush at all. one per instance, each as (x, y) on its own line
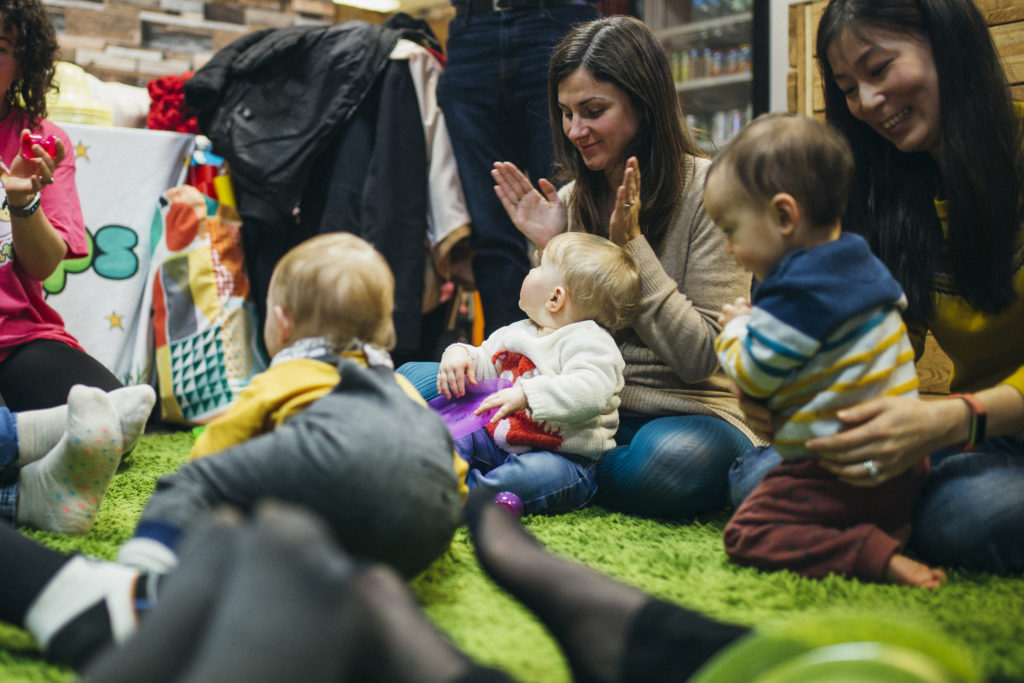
(708, 43)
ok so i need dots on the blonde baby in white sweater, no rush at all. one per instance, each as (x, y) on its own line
(552, 425)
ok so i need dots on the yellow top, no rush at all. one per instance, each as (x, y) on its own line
(272, 397)
(986, 350)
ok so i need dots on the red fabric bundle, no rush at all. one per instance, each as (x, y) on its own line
(167, 109)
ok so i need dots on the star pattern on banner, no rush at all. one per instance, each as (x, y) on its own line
(115, 320)
(82, 151)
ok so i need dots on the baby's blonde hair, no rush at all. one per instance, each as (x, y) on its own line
(336, 286)
(601, 277)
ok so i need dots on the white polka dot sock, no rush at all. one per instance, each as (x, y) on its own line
(133, 405)
(39, 431)
(63, 491)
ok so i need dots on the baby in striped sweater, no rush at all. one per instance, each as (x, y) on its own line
(823, 331)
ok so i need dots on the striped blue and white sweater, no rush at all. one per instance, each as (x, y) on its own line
(824, 332)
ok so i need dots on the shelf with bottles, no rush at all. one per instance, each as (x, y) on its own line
(711, 67)
(725, 80)
(713, 128)
(722, 92)
(729, 23)
(712, 53)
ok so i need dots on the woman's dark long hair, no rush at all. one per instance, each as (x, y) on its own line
(35, 51)
(621, 51)
(981, 169)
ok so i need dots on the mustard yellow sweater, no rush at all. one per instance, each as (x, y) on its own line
(986, 350)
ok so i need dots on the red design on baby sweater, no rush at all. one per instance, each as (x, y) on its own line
(520, 433)
(513, 365)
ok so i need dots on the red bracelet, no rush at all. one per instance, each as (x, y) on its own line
(976, 431)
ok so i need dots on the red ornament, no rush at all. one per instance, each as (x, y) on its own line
(47, 142)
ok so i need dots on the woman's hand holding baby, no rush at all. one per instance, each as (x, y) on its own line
(892, 432)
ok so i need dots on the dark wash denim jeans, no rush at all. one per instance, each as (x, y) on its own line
(494, 93)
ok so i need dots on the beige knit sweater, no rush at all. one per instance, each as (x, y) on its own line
(669, 350)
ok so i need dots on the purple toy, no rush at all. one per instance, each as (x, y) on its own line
(511, 501)
(457, 413)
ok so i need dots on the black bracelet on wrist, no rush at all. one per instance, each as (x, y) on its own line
(26, 210)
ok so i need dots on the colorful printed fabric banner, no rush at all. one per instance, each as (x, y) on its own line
(105, 298)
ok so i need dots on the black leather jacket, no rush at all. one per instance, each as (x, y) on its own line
(321, 131)
(271, 101)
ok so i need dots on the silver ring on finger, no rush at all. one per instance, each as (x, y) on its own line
(871, 467)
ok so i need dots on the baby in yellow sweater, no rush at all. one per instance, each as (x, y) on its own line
(329, 297)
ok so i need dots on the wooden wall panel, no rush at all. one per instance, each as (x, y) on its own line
(134, 41)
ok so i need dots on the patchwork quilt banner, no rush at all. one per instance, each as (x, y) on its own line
(203, 321)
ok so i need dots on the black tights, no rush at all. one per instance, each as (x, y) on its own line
(276, 598)
(40, 373)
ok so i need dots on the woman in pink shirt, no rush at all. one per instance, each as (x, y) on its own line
(40, 223)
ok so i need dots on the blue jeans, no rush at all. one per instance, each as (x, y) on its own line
(547, 483)
(423, 376)
(10, 467)
(748, 470)
(969, 515)
(671, 467)
(494, 93)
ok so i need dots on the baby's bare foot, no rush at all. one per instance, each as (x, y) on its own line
(910, 572)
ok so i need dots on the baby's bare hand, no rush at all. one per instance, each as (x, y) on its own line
(736, 309)
(507, 401)
(455, 370)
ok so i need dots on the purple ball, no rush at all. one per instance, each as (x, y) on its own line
(511, 501)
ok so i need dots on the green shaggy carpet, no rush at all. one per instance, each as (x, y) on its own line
(683, 563)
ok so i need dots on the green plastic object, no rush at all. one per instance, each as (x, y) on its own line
(843, 649)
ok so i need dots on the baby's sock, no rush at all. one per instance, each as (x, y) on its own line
(133, 405)
(63, 491)
(85, 607)
(147, 554)
(39, 431)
